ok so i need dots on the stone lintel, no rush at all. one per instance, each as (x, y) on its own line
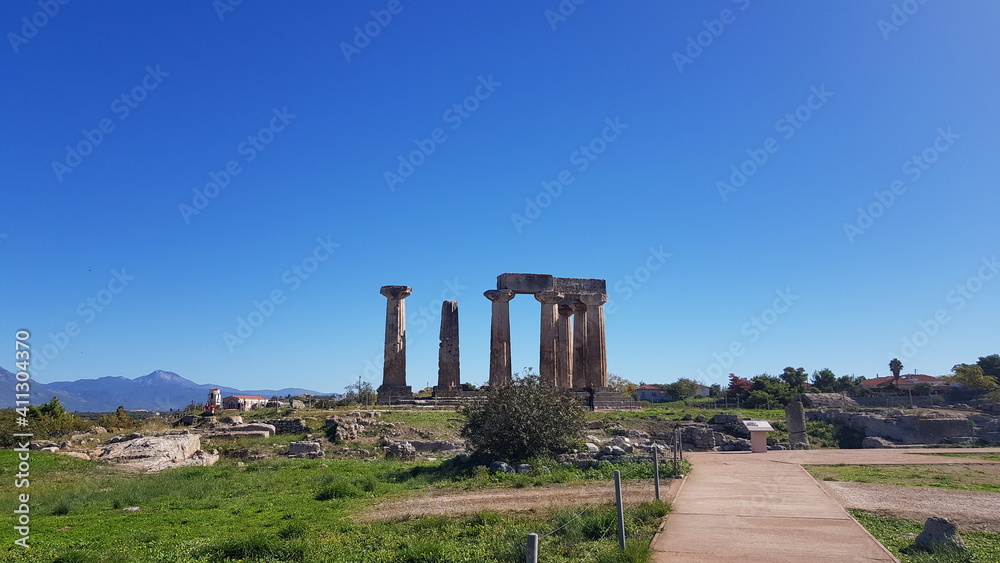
(535, 283)
(579, 285)
(525, 283)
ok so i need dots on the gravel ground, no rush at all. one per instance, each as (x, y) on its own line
(968, 509)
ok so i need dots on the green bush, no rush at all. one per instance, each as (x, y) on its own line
(524, 419)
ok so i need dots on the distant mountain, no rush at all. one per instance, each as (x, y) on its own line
(157, 391)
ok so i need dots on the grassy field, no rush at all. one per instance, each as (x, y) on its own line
(976, 477)
(299, 510)
(987, 456)
(897, 535)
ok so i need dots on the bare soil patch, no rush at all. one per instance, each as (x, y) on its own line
(969, 510)
(530, 499)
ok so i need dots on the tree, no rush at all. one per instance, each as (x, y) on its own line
(361, 393)
(523, 419)
(847, 383)
(972, 376)
(824, 380)
(774, 388)
(683, 388)
(715, 390)
(738, 386)
(895, 366)
(794, 377)
(990, 365)
(119, 420)
(621, 385)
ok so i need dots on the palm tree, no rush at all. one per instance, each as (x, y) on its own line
(895, 366)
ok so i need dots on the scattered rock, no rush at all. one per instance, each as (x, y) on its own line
(523, 468)
(940, 532)
(132, 509)
(400, 450)
(235, 419)
(156, 453)
(501, 466)
(305, 449)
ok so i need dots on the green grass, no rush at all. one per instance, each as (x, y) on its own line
(984, 455)
(896, 535)
(966, 477)
(295, 510)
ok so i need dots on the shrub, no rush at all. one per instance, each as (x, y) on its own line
(523, 419)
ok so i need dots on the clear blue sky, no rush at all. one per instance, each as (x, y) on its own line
(666, 99)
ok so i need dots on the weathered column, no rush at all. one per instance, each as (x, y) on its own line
(500, 336)
(394, 364)
(597, 363)
(795, 420)
(449, 378)
(548, 361)
(564, 346)
(579, 344)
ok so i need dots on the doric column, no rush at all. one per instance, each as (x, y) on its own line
(500, 336)
(394, 364)
(564, 346)
(579, 344)
(548, 362)
(449, 378)
(597, 366)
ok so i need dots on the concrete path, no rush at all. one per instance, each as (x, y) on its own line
(738, 506)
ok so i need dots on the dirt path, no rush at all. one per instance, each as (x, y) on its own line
(534, 499)
(970, 510)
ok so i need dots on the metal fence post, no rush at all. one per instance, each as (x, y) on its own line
(621, 509)
(656, 470)
(531, 550)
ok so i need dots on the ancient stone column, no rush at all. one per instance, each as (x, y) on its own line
(579, 344)
(795, 419)
(564, 346)
(449, 379)
(394, 365)
(597, 363)
(548, 361)
(500, 336)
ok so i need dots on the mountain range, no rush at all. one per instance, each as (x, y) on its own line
(157, 391)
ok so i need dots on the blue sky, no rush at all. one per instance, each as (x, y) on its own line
(761, 184)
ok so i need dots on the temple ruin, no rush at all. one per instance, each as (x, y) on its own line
(572, 348)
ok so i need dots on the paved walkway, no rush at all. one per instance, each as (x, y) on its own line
(766, 508)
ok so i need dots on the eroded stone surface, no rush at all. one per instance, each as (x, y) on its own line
(156, 453)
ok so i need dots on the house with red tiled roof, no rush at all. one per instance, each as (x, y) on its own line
(243, 402)
(906, 382)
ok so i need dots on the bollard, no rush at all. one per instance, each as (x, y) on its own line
(531, 550)
(621, 509)
(656, 470)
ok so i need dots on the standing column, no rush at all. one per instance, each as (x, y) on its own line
(597, 366)
(500, 336)
(579, 344)
(564, 347)
(548, 362)
(449, 378)
(394, 364)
